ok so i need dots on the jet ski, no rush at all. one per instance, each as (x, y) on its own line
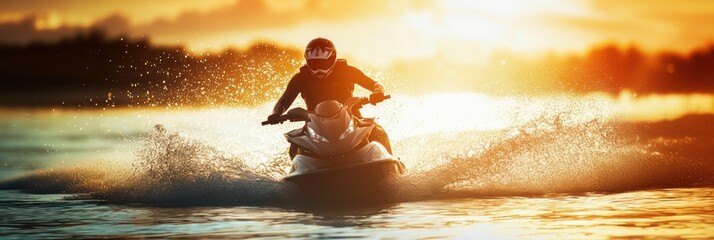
(334, 156)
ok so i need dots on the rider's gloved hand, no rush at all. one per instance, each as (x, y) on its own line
(376, 97)
(273, 118)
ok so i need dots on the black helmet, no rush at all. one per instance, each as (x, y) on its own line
(321, 57)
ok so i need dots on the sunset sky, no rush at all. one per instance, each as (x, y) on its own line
(376, 31)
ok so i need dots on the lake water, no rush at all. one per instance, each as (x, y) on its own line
(489, 168)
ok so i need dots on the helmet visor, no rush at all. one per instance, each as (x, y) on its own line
(321, 64)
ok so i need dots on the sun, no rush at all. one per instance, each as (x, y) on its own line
(493, 25)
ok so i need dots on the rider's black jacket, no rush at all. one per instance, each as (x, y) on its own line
(336, 86)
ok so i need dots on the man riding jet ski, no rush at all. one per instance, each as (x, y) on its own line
(336, 150)
(325, 77)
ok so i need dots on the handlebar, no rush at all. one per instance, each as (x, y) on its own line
(363, 101)
(282, 119)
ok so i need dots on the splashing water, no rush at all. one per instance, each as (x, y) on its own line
(179, 171)
(478, 146)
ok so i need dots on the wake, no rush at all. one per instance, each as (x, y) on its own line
(564, 148)
(169, 170)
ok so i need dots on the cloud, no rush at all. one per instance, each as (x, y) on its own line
(113, 25)
(257, 14)
(655, 23)
(26, 30)
(242, 16)
(38, 28)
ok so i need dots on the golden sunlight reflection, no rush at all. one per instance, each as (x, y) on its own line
(565, 217)
(236, 131)
(663, 107)
(406, 116)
